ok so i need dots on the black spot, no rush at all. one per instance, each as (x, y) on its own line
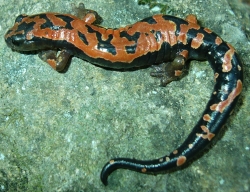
(103, 45)
(20, 18)
(174, 19)
(149, 20)
(131, 49)
(26, 26)
(83, 38)
(158, 36)
(66, 19)
(134, 37)
(90, 30)
(106, 46)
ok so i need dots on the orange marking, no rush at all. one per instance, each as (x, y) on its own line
(144, 170)
(184, 53)
(181, 160)
(208, 135)
(223, 104)
(177, 73)
(111, 161)
(191, 19)
(183, 38)
(216, 75)
(169, 34)
(14, 30)
(105, 33)
(207, 30)
(29, 35)
(227, 65)
(175, 152)
(206, 117)
(239, 67)
(52, 63)
(197, 41)
(183, 31)
(218, 41)
(167, 159)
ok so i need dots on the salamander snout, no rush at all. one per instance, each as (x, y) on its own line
(14, 41)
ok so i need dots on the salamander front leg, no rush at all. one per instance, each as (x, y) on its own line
(87, 15)
(57, 62)
(170, 71)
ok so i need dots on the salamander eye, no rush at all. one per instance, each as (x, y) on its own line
(16, 42)
(20, 18)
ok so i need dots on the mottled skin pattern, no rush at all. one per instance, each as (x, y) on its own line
(153, 40)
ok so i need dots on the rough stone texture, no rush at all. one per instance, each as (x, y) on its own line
(58, 130)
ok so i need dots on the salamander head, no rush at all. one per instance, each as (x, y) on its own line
(31, 33)
(18, 37)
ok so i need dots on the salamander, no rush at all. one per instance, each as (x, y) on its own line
(162, 40)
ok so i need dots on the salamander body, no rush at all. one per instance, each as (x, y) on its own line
(161, 40)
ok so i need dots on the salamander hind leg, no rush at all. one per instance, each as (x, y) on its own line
(57, 62)
(170, 71)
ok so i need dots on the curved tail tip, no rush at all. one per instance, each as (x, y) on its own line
(104, 180)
